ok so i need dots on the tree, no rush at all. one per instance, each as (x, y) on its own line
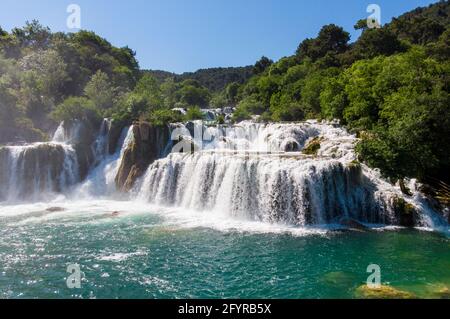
(194, 113)
(100, 91)
(262, 65)
(231, 92)
(193, 94)
(76, 108)
(441, 49)
(374, 42)
(168, 92)
(33, 35)
(331, 38)
(333, 99)
(49, 69)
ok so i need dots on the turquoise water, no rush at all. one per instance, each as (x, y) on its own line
(147, 255)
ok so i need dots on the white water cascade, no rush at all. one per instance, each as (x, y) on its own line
(100, 181)
(40, 171)
(257, 172)
(248, 171)
(37, 171)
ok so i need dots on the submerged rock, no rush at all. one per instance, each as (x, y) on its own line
(441, 293)
(382, 292)
(339, 278)
(55, 209)
(353, 224)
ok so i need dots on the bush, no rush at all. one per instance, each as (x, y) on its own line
(164, 116)
(241, 114)
(194, 113)
(76, 108)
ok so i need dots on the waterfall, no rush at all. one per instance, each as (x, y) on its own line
(36, 171)
(250, 171)
(271, 189)
(100, 181)
(257, 172)
(67, 133)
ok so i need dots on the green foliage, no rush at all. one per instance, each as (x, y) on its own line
(331, 38)
(163, 117)
(262, 65)
(231, 93)
(194, 113)
(422, 25)
(192, 93)
(136, 105)
(241, 114)
(217, 79)
(313, 147)
(411, 134)
(100, 91)
(440, 50)
(76, 108)
(251, 105)
(284, 108)
(333, 99)
(219, 100)
(391, 87)
(375, 42)
(42, 70)
(220, 119)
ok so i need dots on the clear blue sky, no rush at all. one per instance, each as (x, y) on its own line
(185, 35)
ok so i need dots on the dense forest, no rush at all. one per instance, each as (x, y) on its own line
(214, 79)
(390, 86)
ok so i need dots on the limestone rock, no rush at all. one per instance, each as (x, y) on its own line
(382, 292)
(147, 146)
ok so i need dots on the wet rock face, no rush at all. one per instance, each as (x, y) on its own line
(313, 147)
(39, 164)
(85, 158)
(292, 146)
(148, 145)
(405, 212)
(3, 172)
(27, 171)
(114, 135)
(82, 135)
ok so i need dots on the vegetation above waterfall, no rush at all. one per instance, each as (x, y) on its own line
(390, 86)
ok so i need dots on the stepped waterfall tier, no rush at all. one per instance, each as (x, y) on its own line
(261, 172)
(279, 210)
(28, 172)
(65, 165)
(297, 174)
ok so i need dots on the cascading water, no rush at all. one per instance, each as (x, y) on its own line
(257, 172)
(38, 171)
(32, 172)
(100, 181)
(249, 171)
(67, 134)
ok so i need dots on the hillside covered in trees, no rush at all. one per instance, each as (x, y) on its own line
(214, 79)
(390, 86)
